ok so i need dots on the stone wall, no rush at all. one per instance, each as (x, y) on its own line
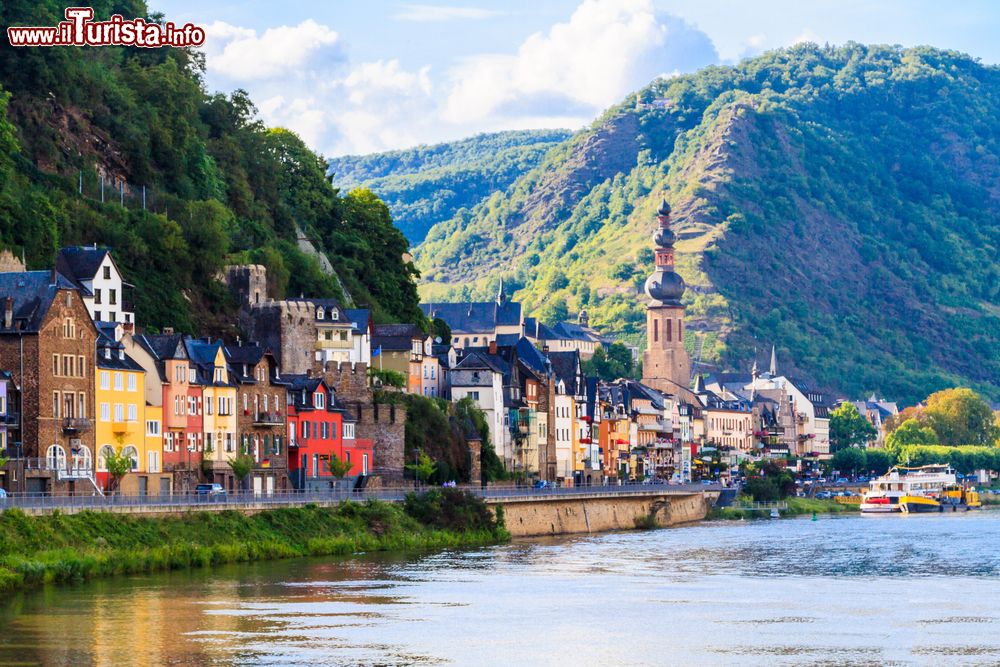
(567, 516)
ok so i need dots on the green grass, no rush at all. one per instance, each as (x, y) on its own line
(796, 507)
(62, 548)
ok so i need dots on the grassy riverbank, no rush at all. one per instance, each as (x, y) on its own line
(65, 548)
(796, 507)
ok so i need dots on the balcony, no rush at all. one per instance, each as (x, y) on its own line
(75, 425)
(123, 426)
(12, 419)
(268, 419)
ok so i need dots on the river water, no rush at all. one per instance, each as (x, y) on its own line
(840, 590)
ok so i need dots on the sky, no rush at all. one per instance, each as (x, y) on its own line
(360, 76)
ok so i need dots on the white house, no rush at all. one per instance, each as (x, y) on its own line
(95, 272)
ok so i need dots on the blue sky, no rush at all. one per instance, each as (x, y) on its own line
(361, 76)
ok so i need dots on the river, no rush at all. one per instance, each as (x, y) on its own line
(840, 590)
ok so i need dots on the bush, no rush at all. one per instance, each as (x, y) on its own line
(450, 509)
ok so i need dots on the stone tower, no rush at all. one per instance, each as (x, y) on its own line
(665, 363)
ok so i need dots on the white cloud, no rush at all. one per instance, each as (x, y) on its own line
(562, 77)
(241, 55)
(605, 50)
(429, 13)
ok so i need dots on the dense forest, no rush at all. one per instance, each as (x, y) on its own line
(838, 202)
(125, 147)
(429, 184)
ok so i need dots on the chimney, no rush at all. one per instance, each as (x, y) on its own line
(128, 327)
(493, 347)
(8, 312)
(53, 277)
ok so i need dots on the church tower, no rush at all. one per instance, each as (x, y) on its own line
(665, 363)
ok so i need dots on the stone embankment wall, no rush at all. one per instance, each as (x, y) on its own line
(568, 516)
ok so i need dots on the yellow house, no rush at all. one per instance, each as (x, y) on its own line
(121, 424)
(218, 410)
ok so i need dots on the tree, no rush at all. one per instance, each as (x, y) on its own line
(338, 469)
(440, 329)
(241, 465)
(879, 461)
(848, 428)
(423, 468)
(960, 416)
(611, 363)
(850, 458)
(910, 432)
(118, 464)
(388, 377)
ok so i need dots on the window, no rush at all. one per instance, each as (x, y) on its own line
(55, 457)
(208, 405)
(192, 406)
(219, 377)
(105, 380)
(112, 296)
(474, 395)
(669, 330)
(81, 366)
(97, 298)
(319, 400)
(364, 464)
(334, 315)
(133, 454)
(152, 427)
(119, 412)
(229, 442)
(192, 375)
(656, 330)
(154, 461)
(319, 313)
(119, 382)
(55, 364)
(324, 430)
(55, 404)
(192, 445)
(69, 328)
(179, 373)
(131, 381)
(102, 457)
(131, 412)
(107, 273)
(67, 366)
(82, 404)
(349, 431)
(97, 315)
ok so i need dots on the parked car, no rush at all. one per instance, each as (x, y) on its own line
(824, 495)
(210, 490)
(541, 484)
(862, 479)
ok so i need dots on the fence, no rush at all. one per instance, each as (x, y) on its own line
(248, 500)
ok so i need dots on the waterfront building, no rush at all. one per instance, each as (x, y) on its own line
(54, 373)
(315, 432)
(479, 376)
(218, 410)
(261, 401)
(569, 395)
(94, 272)
(877, 411)
(362, 328)
(400, 348)
(123, 426)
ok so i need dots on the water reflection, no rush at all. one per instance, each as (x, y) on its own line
(855, 590)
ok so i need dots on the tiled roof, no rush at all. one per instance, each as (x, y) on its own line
(396, 337)
(359, 316)
(564, 365)
(32, 293)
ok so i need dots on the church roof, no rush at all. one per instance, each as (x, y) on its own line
(474, 316)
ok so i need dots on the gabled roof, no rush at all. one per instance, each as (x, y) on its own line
(531, 356)
(537, 330)
(245, 357)
(478, 360)
(163, 346)
(565, 366)
(202, 354)
(32, 293)
(80, 263)
(117, 359)
(395, 336)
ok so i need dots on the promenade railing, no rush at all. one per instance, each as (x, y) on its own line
(249, 499)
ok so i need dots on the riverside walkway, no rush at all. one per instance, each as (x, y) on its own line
(153, 504)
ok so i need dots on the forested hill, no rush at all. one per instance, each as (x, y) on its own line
(428, 184)
(842, 203)
(219, 186)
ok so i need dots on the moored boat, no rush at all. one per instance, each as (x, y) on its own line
(930, 488)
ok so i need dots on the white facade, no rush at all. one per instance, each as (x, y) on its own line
(816, 431)
(106, 302)
(565, 405)
(485, 388)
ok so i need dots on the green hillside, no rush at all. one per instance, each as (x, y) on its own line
(840, 202)
(137, 126)
(428, 184)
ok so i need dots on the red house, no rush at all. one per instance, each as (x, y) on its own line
(314, 432)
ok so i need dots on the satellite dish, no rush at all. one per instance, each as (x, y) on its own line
(438, 340)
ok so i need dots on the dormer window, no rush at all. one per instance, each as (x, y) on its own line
(333, 314)
(319, 313)
(319, 400)
(107, 353)
(121, 354)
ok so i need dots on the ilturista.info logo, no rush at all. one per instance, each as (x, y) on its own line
(79, 29)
